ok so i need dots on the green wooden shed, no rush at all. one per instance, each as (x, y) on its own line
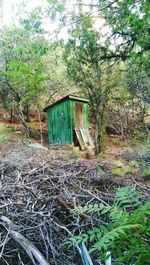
(68, 122)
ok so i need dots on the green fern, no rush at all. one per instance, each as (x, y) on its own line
(104, 236)
(92, 208)
(111, 236)
(127, 231)
(127, 197)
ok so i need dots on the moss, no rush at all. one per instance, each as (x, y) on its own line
(146, 173)
(128, 170)
(120, 169)
(133, 164)
(119, 142)
(119, 163)
(117, 171)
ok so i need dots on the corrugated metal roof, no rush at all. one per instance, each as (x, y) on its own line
(65, 98)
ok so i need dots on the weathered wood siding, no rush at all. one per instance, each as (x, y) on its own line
(59, 123)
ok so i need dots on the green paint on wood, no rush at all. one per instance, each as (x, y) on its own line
(85, 115)
(59, 124)
(61, 119)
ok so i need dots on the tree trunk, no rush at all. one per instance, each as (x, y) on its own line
(23, 121)
(27, 113)
(142, 114)
(100, 131)
(12, 112)
(11, 115)
(40, 123)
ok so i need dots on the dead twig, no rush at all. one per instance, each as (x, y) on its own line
(29, 247)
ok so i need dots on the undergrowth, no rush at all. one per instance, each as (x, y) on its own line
(126, 236)
(4, 136)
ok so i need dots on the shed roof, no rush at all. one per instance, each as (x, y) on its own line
(65, 98)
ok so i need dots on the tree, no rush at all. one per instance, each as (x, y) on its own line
(83, 53)
(130, 32)
(21, 75)
(129, 22)
(58, 83)
(89, 53)
(138, 81)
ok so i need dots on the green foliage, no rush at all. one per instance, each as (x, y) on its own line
(117, 171)
(121, 169)
(3, 133)
(30, 67)
(127, 197)
(146, 173)
(119, 163)
(21, 73)
(92, 208)
(139, 135)
(133, 164)
(87, 67)
(118, 142)
(111, 67)
(127, 232)
(56, 70)
(33, 23)
(138, 79)
(130, 20)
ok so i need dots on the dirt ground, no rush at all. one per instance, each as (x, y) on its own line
(119, 158)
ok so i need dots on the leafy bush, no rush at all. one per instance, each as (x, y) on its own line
(127, 234)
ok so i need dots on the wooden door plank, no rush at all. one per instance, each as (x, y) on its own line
(80, 139)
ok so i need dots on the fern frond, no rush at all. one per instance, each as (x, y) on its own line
(119, 217)
(143, 212)
(92, 208)
(110, 236)
(94, 233)
(127, 197)
(128, 228)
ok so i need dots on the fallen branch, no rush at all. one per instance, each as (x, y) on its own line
(29, 247)
(36, 192)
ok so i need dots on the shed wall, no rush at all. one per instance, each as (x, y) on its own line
(59, 123)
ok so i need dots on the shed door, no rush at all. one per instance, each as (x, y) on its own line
(78, 116)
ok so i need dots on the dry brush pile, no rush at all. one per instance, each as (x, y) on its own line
(35, 203)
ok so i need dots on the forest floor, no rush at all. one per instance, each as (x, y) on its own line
(39, 187)
(121, 159)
